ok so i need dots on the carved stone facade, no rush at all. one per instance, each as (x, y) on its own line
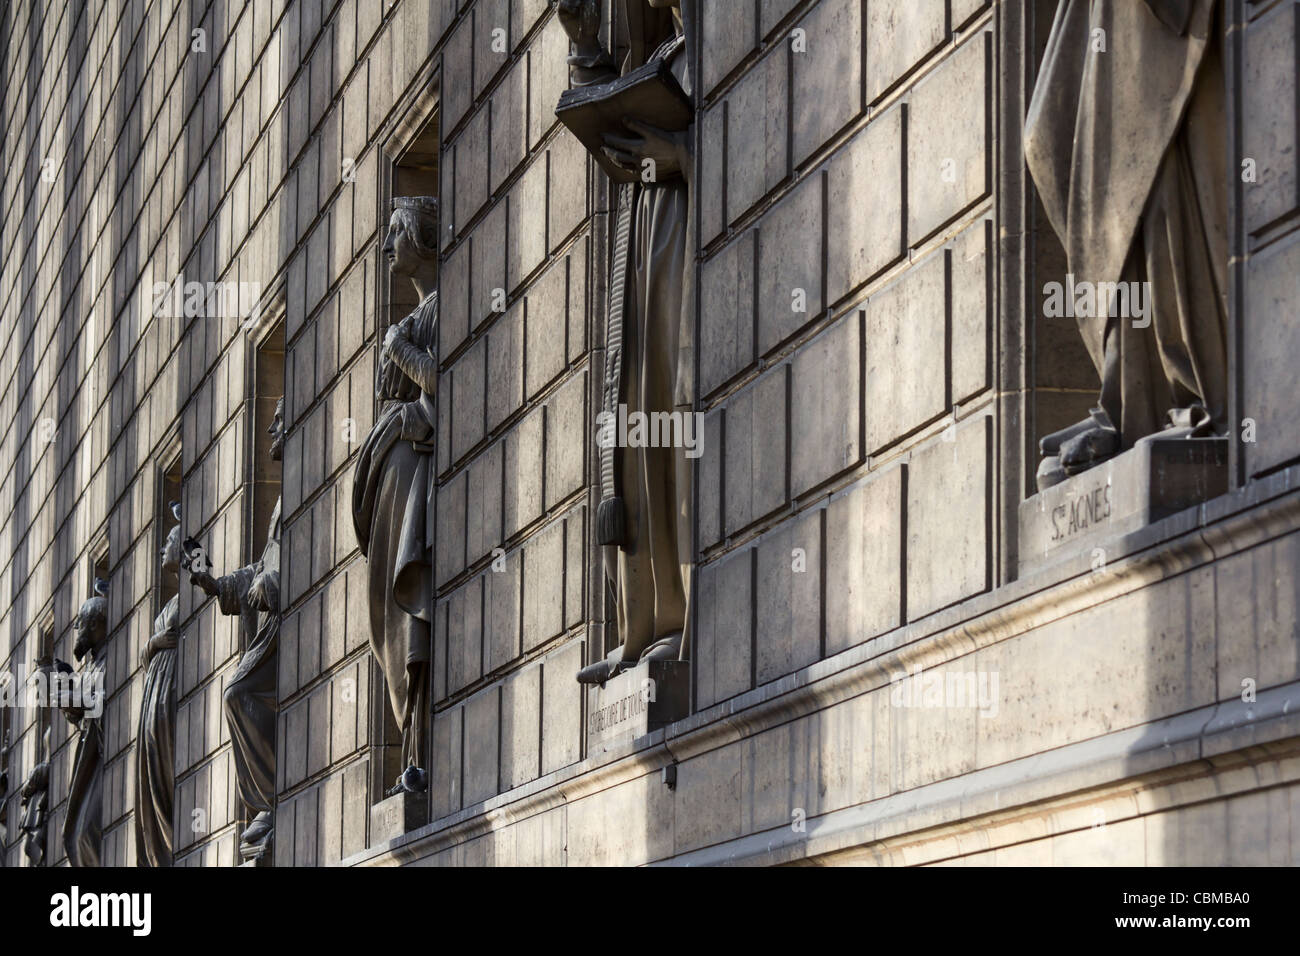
(855, 279)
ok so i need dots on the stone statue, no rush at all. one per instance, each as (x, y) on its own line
(34, 796)
(392, 513)
(155, 742)
(646, 498)
(1124, 138)
(83, 825)
(4, 798)
(250, 699)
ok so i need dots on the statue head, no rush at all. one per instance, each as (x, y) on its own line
(171, 549)
(411, 245)
(90, 625)
(276, 431)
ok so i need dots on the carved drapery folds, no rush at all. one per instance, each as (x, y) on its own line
(155, 779)
(392, 510)
(645, 512)
(250, 698)
(1125, 145)
(83, 821)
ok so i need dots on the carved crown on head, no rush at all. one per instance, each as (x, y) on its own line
(427, 204)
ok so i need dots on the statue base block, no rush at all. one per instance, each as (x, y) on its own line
(637, 702)
(398, 814)
(1150, 481)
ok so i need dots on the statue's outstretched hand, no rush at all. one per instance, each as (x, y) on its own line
(204, 582)
(580, 20)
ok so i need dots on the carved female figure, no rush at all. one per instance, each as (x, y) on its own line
(391, 512)
(1124, 139)
(155, 742)
(250, 699)
(83, 825)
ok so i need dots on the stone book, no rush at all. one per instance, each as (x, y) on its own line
(650, 94)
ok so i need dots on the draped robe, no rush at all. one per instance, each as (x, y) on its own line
(393, 520)
(1127, 148)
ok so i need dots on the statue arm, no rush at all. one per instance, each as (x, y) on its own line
(232, 589)
(589, 62)
(416, 363)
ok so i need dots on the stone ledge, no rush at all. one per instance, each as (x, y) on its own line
(1199, 536)
(1191, 746)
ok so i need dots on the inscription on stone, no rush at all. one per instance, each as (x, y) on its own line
(1155, 479)
(637, 702)
(1081, 512)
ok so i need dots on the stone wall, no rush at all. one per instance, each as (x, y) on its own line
(872, 371)
(845, 328)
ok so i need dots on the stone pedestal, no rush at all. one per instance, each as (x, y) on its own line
(1148, 482)
(398, 814)
(637, 702)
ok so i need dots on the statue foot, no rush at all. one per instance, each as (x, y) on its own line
(603, 670)
(665, 649)
(412, 780)
(1076, 448)
(1194, 421)
(1050, 472)
(255, 840)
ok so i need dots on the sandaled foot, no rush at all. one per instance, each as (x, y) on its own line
(603, 670)
(254, 840)
(665, 649)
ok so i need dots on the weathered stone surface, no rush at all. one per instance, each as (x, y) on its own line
(501, 603)
(544, 585)
(637, 702)
(757, 153)
(546, 323)
(398, 814)
(864, 559)
(947, 139)
(1270, 342)
(525, 469)
(866, 234)
(728, 36)
(900, 34)
(484, 506)
(505, 366)
(488, 274)
(790, 264)
(948, 488)
(468, 396)
(445, 770)
(521, 703)
(471, 171)
(970, 296)
(709, 476)
(755, 455)
(482, 718)
(825, 405)
(570, 174)
(828, 75)
(904, 377)
(528, 241)
(1270, 132)
(723, 652)
(561, 708)
(727, 312)
(963, 10)
(787, 633)
(465, 636)
(566, 439)
(1150, 481)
